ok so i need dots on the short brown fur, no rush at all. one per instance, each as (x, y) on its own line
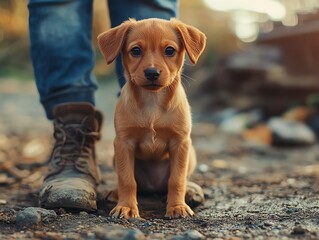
(153, 148)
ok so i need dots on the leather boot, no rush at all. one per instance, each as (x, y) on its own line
(73, 173)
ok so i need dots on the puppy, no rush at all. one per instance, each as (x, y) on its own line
(153, 148)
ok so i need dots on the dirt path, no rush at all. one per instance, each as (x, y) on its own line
(252, 192)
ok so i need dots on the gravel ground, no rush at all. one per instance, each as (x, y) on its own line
(252, 191)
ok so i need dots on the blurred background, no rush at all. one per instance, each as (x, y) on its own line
(255, 102)
(260, 62)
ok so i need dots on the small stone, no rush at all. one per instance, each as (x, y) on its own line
(134, 234)
(3, 201)
(83, 213)
(46, 215)
(33, 216)
(292, 210)
(239, 122)
(193, 235)
(137, 221)
(118, 232)
(298, 230)
(220, 164)
(203, 167)
(28, 218)
(268, 224)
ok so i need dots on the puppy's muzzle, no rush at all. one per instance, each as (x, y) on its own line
(152, 74)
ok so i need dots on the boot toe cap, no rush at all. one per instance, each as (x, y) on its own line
(73, 193)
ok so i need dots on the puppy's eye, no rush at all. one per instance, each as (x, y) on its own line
(169, 51)
(136, 51)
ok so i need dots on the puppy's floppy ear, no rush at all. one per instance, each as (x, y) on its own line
(194, 40)
(111, 41)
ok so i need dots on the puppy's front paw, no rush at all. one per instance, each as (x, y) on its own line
(177, 211)
(125, 212)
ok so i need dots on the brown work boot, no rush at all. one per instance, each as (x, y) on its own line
(73, 172)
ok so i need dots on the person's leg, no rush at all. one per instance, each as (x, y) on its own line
(121, 10)
(61, 51)
(62, 56)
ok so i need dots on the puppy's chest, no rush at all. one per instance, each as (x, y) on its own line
(152, 141)
(153, 137)
(150, 144)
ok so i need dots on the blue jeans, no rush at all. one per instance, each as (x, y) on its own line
(61, 48)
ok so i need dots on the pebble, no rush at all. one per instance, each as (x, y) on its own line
(220, 164)
(193, 235)
(117, 232)
(33, 216)
(268, 224)
(83, 213)
(237, 123)
(203, 167)
(28, 218)
(299, 230)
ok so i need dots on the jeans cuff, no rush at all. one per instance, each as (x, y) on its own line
(85, 96)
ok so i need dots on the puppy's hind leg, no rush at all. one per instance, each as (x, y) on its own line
(194, 193)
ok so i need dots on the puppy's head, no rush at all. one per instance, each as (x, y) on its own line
(152, 50)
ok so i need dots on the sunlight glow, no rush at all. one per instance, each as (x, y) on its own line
(274, 9)
(246, 15)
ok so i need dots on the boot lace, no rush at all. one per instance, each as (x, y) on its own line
(72, 143)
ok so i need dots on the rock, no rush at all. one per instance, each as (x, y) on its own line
(47, 215)
(290, 133)
(134, 234)
(268, 224)
(221, 116)
(203, 167)
(220, 164)
(194, 194)
(193, 235)
(117, 232)
(28, 218)
(83, 213)
(238, 123)
(32, 216)
(298, 230)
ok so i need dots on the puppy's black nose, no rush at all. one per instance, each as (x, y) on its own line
(151, 74)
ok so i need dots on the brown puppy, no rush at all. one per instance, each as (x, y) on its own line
(153, 149)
